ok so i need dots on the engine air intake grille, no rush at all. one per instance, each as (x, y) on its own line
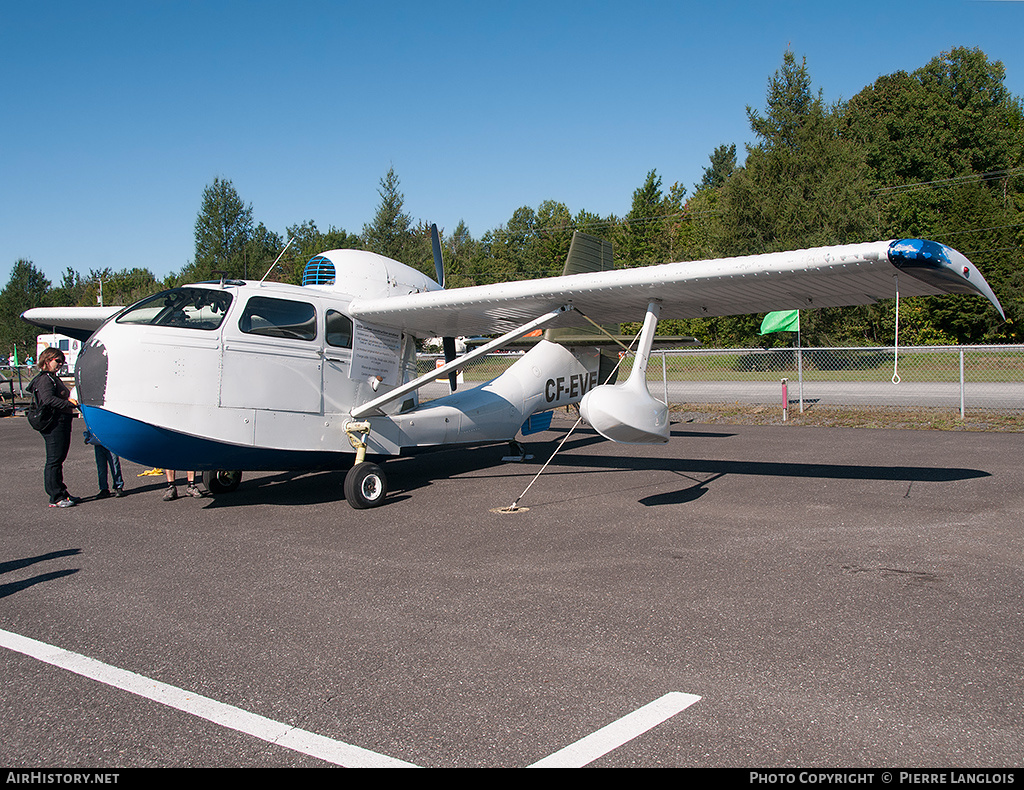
(319, 271)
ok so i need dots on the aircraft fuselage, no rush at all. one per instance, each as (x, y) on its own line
(265, 376)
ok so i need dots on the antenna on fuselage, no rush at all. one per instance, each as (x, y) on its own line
(286, 246)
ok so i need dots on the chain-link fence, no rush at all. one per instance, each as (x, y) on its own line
(14, 381)
(965, 378)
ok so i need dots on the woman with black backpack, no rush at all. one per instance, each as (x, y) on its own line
(51, 393)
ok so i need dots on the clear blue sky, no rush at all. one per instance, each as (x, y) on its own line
(116, 115)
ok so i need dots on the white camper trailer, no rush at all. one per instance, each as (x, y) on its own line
(68, 345)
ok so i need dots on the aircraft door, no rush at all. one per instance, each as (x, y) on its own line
(272, 361)
(340, 390)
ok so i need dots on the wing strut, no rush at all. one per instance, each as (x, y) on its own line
(373, 406)
(514, 507)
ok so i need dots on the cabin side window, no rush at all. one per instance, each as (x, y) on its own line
(186, 308)
(339, 329)
(270, 317)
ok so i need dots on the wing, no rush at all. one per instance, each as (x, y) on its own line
(802, 279)
(76, 322)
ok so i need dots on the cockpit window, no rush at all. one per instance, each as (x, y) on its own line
(339, 329)
(187, 308)
(278, 318)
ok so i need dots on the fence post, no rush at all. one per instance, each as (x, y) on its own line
(785, 399)
(961, 382)
(800, 373)
(664, 376)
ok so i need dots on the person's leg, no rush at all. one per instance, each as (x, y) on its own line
(115, 468)
(172, 492)
(101, 468)
(58, 442)
(53, 480)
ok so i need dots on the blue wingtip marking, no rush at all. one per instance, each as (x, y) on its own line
(919, 250)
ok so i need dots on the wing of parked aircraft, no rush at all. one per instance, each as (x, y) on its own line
(802, 279)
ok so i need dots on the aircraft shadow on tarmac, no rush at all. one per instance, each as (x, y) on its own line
(702, 472)
(712, 469)
(284, 488)
(13, 565)
(407, 474)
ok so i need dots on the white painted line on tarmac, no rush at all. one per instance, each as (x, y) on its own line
(576, 755)
(599, 743)
(265, 729)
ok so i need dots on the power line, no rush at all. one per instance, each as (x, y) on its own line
(689, 215)
(994, 175)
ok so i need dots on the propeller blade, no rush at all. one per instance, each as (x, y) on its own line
(447, 342)
(449, 355)
(435, 242)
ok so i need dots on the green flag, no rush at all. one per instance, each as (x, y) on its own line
(15, 356)
(781, 321)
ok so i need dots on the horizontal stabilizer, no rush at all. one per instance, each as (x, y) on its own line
(578, 338)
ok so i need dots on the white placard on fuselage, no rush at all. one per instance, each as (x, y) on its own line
(376, 352)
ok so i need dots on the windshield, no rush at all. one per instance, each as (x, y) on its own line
(188, 308)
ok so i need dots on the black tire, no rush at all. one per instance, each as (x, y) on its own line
(221, 481)
(365, 486)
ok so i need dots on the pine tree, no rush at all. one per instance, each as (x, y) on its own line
(223, 232)
(723, 165)
(390, 233)
(648, 232)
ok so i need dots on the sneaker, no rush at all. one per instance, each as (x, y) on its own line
(172, 493)
(104, 494)
(118, 492)
(63, 503)
(193, 490)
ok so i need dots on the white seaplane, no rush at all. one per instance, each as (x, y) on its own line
(222, 377)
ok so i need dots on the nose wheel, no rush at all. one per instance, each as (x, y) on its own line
(365, 486)
(221, 481)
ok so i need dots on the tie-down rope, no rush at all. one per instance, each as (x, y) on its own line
(896, 339)
(515, 505)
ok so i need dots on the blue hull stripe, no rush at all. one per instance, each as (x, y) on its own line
(150, 445)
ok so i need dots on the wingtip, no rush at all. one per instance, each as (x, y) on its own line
(942, 266)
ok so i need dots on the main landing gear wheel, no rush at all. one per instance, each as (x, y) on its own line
(365, 486)
(221, 481)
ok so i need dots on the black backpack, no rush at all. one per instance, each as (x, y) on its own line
(40, 417)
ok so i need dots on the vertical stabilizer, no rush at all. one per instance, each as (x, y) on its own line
(588, 254)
